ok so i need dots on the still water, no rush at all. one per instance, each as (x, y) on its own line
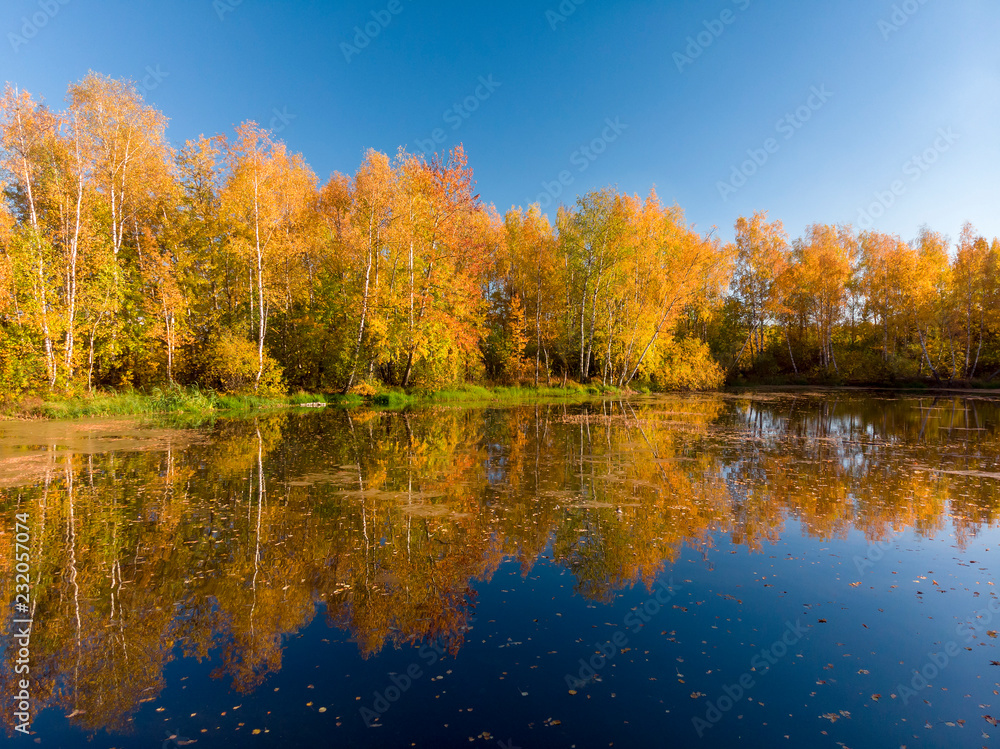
(814, 569)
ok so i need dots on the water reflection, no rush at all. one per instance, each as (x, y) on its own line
(221, 547)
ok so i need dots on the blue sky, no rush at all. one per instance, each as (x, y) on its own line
(882, 113)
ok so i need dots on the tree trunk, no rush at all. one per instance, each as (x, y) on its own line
(538, 325)
(71, 271)
(364, 315)
(790, 354)
(420, 316)
(923, 347)
(262, 328)
(583, 330)
(50, 360)
(979, 351)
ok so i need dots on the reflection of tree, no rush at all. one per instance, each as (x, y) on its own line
(223, 549)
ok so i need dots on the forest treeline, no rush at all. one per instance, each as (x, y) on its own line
(226, 263)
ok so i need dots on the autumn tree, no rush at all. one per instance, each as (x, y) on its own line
(30, 136)
(126, 263)
(264, 202)
(367, 248)
(760, 260)
(122, 142)
(529, 269)
(825, 257)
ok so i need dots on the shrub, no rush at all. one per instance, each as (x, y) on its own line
(687, 364)
(20, 368)
(233, 365)
(365, 389)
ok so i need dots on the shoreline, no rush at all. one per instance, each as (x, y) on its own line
(883, 388)
(193, 402)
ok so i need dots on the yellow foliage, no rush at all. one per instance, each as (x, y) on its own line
(365, 389)
(233, 364)
(688, 365)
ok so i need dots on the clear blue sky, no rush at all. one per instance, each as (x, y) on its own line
(886, 93)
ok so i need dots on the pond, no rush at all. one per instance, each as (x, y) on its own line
(761, 569)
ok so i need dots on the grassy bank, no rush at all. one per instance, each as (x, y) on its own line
(481, 394)
(192, 400)
(135, 403)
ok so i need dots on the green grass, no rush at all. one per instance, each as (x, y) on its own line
(396, 399)
(393, 400)
(168, 400)
(457, 393)
(193, 401)
(350, 400)
(572, 390)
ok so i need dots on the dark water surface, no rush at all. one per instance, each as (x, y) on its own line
(757, 570)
